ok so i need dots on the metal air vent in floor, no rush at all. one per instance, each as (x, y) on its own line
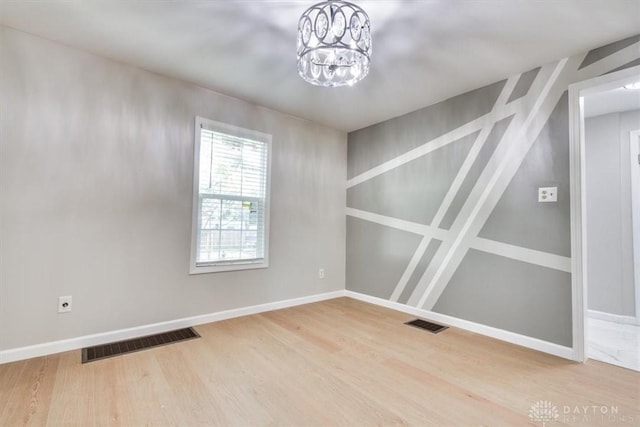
(90, 354)
(423, 324)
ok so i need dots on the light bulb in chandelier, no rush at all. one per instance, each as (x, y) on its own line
(334, 44)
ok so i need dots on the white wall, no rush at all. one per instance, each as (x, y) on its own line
(610, 240)
(95, 197)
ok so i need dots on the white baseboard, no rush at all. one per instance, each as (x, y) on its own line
(616, 318)
(44, 349)
(511, 337)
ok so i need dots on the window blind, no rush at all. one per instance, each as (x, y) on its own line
(232, 189)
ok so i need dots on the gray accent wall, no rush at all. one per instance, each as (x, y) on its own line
(486, 250)
(425, 261)
(625, 66)
(607, 50)
(376, 144)
(609, 224)
(416, 188)
(96, 173)
(470, 180)
(383, 250)
(512, 295)
(518, 218)
(524, 84)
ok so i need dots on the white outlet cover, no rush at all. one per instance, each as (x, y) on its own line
(64, 304)
(547, 194)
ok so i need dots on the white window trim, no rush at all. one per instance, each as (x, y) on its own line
(202, 123)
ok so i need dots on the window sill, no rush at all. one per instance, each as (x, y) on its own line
(227, 267)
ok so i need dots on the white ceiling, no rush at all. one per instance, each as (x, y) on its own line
(611, 101)
(423, 51)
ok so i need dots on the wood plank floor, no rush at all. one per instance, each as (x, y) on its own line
(337, 362)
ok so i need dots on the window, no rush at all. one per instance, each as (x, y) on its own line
(230, 198)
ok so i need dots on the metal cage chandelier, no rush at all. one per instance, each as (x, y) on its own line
(334, 44)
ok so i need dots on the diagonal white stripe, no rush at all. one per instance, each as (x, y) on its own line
(456, 184)
(531, 256)
(400, 224)
(439, 142)
(512, 149)
(499, 171)
(411, 267)
(611, 62)
(475, 150)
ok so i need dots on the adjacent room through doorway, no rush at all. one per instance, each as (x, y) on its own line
(612, 191)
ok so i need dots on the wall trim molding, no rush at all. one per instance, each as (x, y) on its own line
(616, 318)
(634, 156)
(44, 349)
(510, 337)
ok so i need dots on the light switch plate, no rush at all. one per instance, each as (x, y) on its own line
(547, 194)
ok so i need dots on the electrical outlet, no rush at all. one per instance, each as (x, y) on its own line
(64, 304)
(547, 194)
(321, 273)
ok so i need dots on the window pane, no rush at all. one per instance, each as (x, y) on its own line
(249, 248)
(252, 173)
(231, 165)
(231, 215)
(209, 249)
(210, 214)
(227, 164)
(232, 191)
(230, 229)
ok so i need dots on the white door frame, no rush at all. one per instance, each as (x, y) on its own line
(578, 198)
(634, 151)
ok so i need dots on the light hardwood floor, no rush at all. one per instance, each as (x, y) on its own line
(337, 362)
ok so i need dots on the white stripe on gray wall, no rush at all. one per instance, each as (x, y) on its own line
(457, 183)
(530, 114)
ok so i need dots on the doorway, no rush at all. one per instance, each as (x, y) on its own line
(634, 160)
(605, 173)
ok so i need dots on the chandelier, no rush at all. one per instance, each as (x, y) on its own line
(334, 44)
